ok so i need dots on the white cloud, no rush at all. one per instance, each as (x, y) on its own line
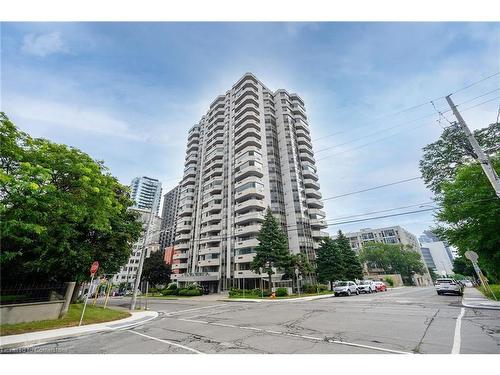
(43, 44)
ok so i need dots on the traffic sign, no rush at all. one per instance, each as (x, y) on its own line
(471, 255)
(94, 268)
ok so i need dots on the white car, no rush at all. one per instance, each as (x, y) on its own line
(446, 285)
(345, 288)
(367, 286)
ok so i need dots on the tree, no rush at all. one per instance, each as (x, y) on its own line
(272, 251)
(393, 259)
(60, 211)
(442, 158)
(352, 268)
(470, 215)
(329, 265)
(463, 266)
(297, 261)
(155, 270)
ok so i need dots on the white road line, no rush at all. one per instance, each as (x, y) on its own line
(167, 342)
(304, 337)
(194, 321)
(456, 338)
(197, 308)
(208, 313)
(223, 325)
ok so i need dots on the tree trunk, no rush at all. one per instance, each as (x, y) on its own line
(331, 285)
(269, 279)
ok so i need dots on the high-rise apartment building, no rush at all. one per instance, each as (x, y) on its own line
(128, 272)
(437, 253)
(146, 193)
(169, 218)
(251, 150)
(389, 235)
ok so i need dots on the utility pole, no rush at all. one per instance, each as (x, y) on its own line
(481, 156)
(141, 262)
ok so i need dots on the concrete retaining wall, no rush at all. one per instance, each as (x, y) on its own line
(29, 312)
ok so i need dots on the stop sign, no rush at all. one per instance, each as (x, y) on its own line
(94, 267)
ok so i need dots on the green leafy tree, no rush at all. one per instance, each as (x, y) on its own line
(470, 215)
(393, 259)
(329, 266)
(297, 261)
(155, 270)
(272, 251)
(463, 266)
(351, 265)
(442, 158)
(60, 210)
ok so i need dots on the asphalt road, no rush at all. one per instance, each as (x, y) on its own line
(406, 320)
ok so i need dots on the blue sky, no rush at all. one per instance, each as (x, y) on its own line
(127, 93)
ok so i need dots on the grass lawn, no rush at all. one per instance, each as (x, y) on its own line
(254, 296)
(495, 288)
(161, 296)
(72, 318)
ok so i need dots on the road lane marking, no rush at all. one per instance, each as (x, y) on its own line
(302, 336)
(167, 342)
(194, 309)
(456, 338)
(223, 325)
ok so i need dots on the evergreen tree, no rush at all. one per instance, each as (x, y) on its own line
(350, 262)
(155, 270)
(272, 251)
(329, 261)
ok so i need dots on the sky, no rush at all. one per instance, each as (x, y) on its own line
(127, 93)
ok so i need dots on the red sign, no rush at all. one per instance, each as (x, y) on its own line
(94, 267)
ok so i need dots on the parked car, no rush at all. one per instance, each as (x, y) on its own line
(468, 283)
(367, 286)
(446, 285)
(346, 288)
(381, 287)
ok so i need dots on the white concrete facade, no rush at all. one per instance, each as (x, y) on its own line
(440, 257)
(127, 273)
(146, 193)
(251, 150)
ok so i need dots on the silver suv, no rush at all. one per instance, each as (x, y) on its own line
(346, 288)
(367, 286)
(449, 286)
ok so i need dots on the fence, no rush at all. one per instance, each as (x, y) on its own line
(31, 292)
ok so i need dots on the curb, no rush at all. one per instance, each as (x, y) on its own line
(39, 337)
(479, 306)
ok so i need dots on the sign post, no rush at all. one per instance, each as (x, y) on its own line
(473, 257)
(93, 270)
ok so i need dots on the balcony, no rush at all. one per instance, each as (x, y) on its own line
(306, 156)
(246, 274)
(303, 134)
(250, 203)
(247, 116)
(248, 141)
(212, 173)
(316, 223)
(252, 242)
(186, 211)
(319, 234)
(249, 100)
(313, 193)
(256, 149)
(247, 81)
(192, 147)
(183, 236)
(314, 203)
(178, 266)
(209, 262)
(303, 141)
(245, 258)
(249, 217)
(249, 131)
(248, 229)
(209, 250)
(210, 240)
(188, 181)
(180, 256)
(210, 228)
(211, 218)
(301, 124)
(183, 227)
(210, 198)
(212, 208)
(317, 212)
(308, 174)
(309, 183)
(305, 149)
(250, 170)
(249, 192)
(212, 190)
(181, 246)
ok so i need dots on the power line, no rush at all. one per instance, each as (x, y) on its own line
(382, 217)
(372, 188)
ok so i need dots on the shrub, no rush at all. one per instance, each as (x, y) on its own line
(322, 287)
(235, 292)
(152, 290)
(266, 293)
(389, 281)
(256, 292)
(189, 292)
(193, 286)
(169, 292)
(281, 292)
(172, 286)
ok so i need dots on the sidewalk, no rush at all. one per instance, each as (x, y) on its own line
(473, 298)
(267, 299)
(13, 341)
